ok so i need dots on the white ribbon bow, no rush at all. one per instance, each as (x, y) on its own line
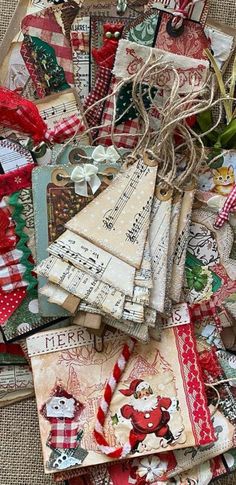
(84, 175)
(109, 155)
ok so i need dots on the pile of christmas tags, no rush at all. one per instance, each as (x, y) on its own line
(117, 248)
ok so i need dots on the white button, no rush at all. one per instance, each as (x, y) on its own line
(147, 415)
(150, 425)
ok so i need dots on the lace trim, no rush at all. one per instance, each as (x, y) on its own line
(195, 391)
(23, 239)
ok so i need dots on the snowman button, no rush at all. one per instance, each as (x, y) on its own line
(147, 415)
(150, 425)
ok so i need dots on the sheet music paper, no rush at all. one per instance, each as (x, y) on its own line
(138, 331)
(181, 245)
(118, 219)
(159, 242)
(81, 58)
(175, 214)
(143, 276)
(94, 261)
(83, 286)
(57, 107)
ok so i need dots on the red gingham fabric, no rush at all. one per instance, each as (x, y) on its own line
(99, 91)
(11, 276)
(63, 433)
(124, 133)
(10, 258)
(65, 129)
(14, 286)
(229, 206)
(43, 24)
(205, 309)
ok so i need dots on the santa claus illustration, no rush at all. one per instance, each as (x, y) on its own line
(148, 413)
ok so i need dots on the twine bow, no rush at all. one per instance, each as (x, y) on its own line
(84, 176)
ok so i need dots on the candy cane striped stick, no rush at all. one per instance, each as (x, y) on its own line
(103, 409)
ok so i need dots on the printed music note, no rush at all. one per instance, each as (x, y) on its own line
(140, 220)
(112, 215)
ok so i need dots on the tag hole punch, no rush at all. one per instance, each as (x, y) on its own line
(60, 177)
(163, 193)
(174, 31)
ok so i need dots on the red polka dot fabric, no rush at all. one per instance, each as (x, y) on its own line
(9, 302)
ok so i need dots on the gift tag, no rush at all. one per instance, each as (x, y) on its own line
(131, 57)
(159, 242)
(49, 58)
(55, 196)
(82, 382)
(209, 268)
(174, 221)
(142, 35)
(181, 245)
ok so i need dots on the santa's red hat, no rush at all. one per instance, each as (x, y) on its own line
(133, 387)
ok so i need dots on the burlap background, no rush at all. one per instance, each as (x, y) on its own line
(20, 449)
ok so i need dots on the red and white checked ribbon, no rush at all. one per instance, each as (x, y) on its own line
(64, 129)
(103, 409)
(206, 309)
(229, 206)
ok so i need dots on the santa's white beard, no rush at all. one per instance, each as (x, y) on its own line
(145, 403)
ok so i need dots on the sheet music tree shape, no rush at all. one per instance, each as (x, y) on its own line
(118, 219)
(101, 250)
